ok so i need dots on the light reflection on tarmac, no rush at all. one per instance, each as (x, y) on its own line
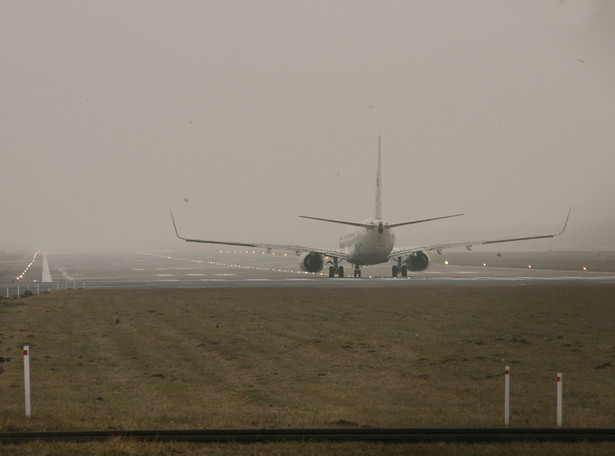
(227, 268)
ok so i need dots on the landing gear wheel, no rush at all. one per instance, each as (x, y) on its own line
(331, 272)
(395, 271)
(340, 272)
(404, 271)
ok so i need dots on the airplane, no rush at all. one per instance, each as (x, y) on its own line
(369, 242)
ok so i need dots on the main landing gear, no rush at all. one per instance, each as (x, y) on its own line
(335, 269)
(339, 272)
(400, 267)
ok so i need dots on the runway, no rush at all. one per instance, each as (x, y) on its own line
(207, 268)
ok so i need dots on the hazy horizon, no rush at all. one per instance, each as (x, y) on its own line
(239, 116)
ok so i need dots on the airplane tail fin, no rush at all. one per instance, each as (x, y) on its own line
(378, 210)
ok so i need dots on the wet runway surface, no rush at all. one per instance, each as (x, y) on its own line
(197, 268)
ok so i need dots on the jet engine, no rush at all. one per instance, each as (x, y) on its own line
(417, 261)
(311, 262)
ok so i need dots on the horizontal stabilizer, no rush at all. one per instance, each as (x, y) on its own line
(364, 225)
(393, 225)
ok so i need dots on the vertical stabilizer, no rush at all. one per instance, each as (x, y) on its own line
(378, 213)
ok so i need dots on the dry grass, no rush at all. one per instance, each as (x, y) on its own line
(288, 357)
(129, 448)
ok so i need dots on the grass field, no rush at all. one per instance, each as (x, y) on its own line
(292, 357)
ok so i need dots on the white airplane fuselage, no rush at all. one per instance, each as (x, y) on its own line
(368, 245)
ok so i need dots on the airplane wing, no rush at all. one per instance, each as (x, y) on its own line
(341, 254)
(402, 251)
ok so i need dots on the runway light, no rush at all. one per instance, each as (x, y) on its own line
(584, 268)
(484, 264)
(529, 266)
(446, 262)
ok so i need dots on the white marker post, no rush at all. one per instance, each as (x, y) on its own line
(26, 373)
(507, 396)
(559, 399)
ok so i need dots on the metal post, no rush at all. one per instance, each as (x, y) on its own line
(507, 395)
(26, 373)
(559, 399)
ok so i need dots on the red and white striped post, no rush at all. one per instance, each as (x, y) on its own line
(507, 395)
(559, 399)
(26, 373)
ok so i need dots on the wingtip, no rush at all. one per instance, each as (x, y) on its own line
(566, 222)
(175, 226)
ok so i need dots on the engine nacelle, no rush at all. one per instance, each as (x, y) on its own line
(311, 262)
(418, 261)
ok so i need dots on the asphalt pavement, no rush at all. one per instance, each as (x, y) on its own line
(198, 268)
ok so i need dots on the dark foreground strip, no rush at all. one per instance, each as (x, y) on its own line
(329, 435)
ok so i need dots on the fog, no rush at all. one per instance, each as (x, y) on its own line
(240, 115)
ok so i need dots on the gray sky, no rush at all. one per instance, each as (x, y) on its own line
(241, 115)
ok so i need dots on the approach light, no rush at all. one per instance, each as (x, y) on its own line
(585, 268)
(529, 266)
(484, 264)
(446, 262)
